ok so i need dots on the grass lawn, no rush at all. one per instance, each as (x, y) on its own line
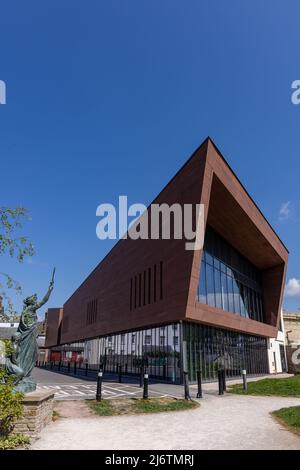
(289, 387)
(125, 406)
(289, 417)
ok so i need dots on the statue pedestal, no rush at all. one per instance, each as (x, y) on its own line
(38, 411)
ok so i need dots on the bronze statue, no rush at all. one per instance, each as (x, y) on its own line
(25, 349)
(12, 361)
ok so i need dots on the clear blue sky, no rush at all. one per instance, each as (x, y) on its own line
(111, 97)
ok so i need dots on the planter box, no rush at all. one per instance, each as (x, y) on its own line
(38, 411)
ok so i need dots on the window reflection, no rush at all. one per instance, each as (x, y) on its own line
(228, 280)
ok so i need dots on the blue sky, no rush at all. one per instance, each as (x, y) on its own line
(111, 97)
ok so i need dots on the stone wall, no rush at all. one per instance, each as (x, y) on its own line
(293, 358)
(38, 411)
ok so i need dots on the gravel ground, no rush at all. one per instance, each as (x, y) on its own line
(227, 422)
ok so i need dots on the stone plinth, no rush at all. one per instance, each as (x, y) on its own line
(38, 411)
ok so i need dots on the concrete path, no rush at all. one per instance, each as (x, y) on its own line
(227, 422)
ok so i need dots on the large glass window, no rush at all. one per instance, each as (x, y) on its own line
(228, 280)
(209, 349)
(157, 348)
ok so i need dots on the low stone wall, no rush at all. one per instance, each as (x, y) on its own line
(38, 411)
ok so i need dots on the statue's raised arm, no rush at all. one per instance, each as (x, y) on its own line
(50, 289)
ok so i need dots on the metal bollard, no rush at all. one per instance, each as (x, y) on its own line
(245, 385)
(69, 367)
(51, 365)
(186, 386)
(120, 374)
(146, 386)
(224, 379)
(75, 367)
(220, 380)
(99, 386)
(86, 369)
(141, 376)
(199, 382)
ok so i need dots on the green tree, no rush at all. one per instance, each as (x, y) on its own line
(15, 246)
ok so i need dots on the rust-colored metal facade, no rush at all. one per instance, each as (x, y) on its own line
(118, 296)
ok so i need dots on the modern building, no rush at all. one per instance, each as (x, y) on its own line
(153, 302)
(277, 350)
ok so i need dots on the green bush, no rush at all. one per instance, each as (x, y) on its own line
(8, 346)
(13, 441)
(11, 407)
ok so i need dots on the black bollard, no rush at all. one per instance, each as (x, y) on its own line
(120, 374)
(199, 382)
(141, 376)
(224, 379)
(99, 386)
(220, 381)
(86, 369)
(146, 386)
(75, 367)
(69, 367)
(245, 385)
(59, 365)
(186, 386)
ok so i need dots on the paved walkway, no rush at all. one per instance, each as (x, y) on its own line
(227, 422)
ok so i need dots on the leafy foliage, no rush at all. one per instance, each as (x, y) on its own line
(13, 441)
(11, 407)
(8, 347)
(18, 247)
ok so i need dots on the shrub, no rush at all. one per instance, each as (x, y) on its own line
(11, 407)
(13, 441)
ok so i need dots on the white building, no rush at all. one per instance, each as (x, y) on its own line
(277, 352)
